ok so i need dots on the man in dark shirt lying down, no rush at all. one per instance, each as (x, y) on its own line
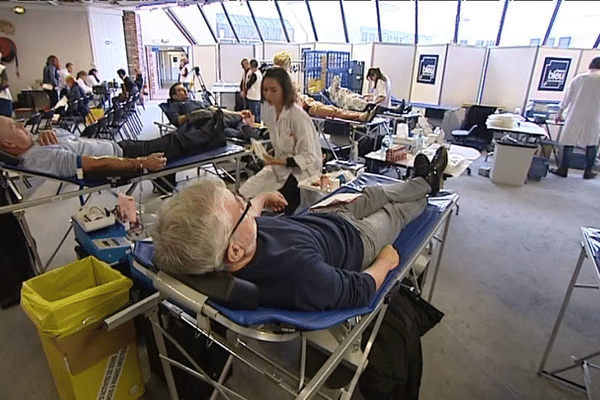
(312, 262)
(182, 112)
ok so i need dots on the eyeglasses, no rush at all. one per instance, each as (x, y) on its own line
(241, 218)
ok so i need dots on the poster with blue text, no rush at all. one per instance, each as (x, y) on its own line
(554, 74)
(427, 68)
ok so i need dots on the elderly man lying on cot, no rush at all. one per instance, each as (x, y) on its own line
(312, 262)
(60, 153)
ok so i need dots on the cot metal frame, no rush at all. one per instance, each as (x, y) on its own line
(192, 308)
(82, 188)
(358, 130)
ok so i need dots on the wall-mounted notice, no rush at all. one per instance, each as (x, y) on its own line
(427, 68)
(554, 74)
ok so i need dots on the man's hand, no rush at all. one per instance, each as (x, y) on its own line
(154, 162)
(368, 97)
(246, 114)
(390, 256)
(47, 138)
(387, 259)
(274, 201)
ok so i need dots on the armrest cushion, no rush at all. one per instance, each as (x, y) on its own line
(224, 288)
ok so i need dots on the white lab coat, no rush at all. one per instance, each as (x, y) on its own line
(582, 106)
(293, 134)
(383, 88)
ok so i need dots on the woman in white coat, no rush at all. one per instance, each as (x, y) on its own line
(582, 125)
(380, 88)
(297, 152)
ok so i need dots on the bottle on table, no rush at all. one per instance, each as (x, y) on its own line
(386, 143)
(419, 141)
(324, 182)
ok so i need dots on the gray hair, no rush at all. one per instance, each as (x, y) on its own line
(191, 235)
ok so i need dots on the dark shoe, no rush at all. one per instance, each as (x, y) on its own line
(436, 170)
(372, 114)
(559, 172)
(369, 107)
(589, 175)
(421, 166)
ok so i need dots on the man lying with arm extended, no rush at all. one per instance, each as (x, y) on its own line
(59, 153)
(183, 112)
(313, 262)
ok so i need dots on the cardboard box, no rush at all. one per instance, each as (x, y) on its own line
(396, 153)
(95, 364)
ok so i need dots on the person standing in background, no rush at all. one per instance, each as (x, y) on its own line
(582, 124)
(5, 96)
(185, 73)
(253, 95)
(240, 98)
(51, 79)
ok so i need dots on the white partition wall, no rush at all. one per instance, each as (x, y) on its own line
(303, 46)
(586, 57)
(362, 52)
(269, 50)
(508, 76)
(107, 40)
(333, 46)
(428, 73)
(462, 75)
(205, 56)
(553, 71)
(396, 61)
(230, 69)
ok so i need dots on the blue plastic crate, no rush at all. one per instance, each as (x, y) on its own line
(338, 59)
(337, 63)
(313, 58)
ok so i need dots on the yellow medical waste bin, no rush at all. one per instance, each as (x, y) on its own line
(68, 305)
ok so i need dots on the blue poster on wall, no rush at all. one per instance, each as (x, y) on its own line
(554, 74)
(427, 68)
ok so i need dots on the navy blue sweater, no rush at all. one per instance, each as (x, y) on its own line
(310, 263)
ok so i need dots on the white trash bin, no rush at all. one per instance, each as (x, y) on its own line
(511, 162)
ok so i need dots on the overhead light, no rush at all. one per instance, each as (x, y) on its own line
(19, 10)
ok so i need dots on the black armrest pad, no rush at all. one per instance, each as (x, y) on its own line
(8, 158)
(119, 176)
(224, 288)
